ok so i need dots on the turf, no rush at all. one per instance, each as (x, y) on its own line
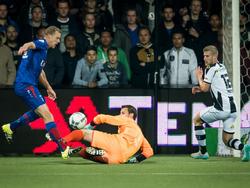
(158, 172)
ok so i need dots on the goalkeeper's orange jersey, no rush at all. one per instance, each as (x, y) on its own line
(126, 143)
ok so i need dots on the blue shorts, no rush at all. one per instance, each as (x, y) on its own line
(30, 95)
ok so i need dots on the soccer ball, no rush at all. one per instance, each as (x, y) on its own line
(77, 120)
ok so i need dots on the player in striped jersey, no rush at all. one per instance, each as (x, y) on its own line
(216, 81)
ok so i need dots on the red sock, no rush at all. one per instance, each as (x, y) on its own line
(75, 135)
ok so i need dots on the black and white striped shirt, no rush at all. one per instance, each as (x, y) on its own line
(221, 87)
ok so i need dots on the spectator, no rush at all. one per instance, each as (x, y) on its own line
(210, 37)
(88, 70)
(31, 28)
(66, 23)
(103, 17)
(54, 67)
(126, 35)
(144, 8)
(70, 58)
(25, 16)
(165, 29)
(89, 36)
(142, 61)
(115, 71)
(13, 43)
(244, 30)
(13, 8)
(180, 64)
(7, 65)
(5, 20)
(105, 44)
(195, 24)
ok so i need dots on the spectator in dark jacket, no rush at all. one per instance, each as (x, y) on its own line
(142, 61)
(70, 58)
(89, 36)
(195, 24)
(13, 43)
(126, 35)
(5, 20)
(115, 71)
(165, 29)
(31, 29)
(65, 22)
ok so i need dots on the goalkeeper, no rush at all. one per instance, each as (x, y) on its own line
(127, 146)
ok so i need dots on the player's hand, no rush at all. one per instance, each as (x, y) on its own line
(192, 31)
(22, 50)
(51, 93)
(132, 160)
(199, 73)
(196, 89)
(90, 126)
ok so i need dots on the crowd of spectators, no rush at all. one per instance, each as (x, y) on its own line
(112, 43)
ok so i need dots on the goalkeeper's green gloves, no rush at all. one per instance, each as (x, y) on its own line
(136, 159)
(132, 160)
(90, 126)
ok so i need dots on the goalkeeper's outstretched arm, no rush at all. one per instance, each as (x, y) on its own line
(146, 152)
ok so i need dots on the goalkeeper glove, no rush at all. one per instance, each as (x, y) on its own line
(90, 126)
(132, 160)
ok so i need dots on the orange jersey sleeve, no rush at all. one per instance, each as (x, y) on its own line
(146, 148)
(112, 120)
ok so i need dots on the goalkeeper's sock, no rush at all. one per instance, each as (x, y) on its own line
(76, 135)
(235, 143)
(201, 137)
(25, 119)
(55, 135)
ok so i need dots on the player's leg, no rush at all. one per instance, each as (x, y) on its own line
(230, 141)
(201, 138)
(228, 132)
(89, 153)
(32, 97)
(25, 119)
(78, 135)
(50, 125)
(100, 159)
(104, 147)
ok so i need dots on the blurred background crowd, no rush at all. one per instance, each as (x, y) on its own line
(118, 43)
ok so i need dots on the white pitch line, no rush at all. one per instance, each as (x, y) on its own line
(132, 174)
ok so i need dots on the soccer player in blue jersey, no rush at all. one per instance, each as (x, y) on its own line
(29, 74)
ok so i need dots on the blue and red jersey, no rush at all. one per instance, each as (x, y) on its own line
(32, 64)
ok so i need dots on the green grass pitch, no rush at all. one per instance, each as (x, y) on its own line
(175, 171)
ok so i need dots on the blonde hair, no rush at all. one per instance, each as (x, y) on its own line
(212, 49)
(51, 30)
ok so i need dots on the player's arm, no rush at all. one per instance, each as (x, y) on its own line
(111, 120)
(24, 48)
(43, 80)
(203, 86)
(146, 152)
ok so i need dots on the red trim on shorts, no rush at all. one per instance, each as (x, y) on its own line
(31, 88)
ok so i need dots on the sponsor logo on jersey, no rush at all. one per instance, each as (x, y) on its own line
(25, 55)
(42, 63)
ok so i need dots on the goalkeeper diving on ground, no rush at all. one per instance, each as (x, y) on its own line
(127, 146)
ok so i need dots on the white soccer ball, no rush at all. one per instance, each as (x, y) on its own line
(77, 120)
